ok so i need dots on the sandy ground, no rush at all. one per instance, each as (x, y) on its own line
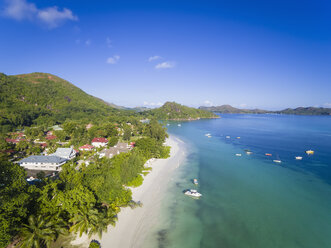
(133, 224)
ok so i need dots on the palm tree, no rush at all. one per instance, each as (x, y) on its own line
(41, 231)
(105, 218)
(85, 219)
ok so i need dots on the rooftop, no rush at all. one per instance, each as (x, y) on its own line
(63, 152)
(43, 159)
(101, 140)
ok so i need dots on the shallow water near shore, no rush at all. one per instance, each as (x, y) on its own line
(250, 201)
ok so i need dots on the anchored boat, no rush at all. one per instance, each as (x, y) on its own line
(193, 193)
(310, 152)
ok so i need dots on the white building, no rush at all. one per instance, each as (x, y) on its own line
(38, 162)
(99, 142)
(67, 153)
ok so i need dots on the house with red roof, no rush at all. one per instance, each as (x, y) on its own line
(86, 147)
(49, 133)
(51, 137)
(99, 142)
(13, 141)
(43, 145)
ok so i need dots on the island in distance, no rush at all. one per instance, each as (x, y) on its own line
(228, 109)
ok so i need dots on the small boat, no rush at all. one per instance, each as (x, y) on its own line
(195, 181)
(238, 137)
(298, 158)
(268, 154)
(310, 152)
(207, 134)
(179, 125)
(248, 152)
(168, 124)
(277, 161)
(193, 193)
(228, 137)
(238, 154)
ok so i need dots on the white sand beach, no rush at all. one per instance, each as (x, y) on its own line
(133, 224)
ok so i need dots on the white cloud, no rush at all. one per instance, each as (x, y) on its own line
(243, 105)
(208, 103)
(153, 104)
(109, 42)
(20, 9)
(152, 58)
(113, 60)
(51, 16)
(327, 105)
(165, 65)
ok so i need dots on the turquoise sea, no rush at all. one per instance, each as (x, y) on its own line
(250, 201)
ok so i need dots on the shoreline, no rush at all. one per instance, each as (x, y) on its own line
(133, 225)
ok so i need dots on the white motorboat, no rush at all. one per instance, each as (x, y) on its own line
(298, 158)
(228, 137)
(248, 152)
(277, 161)
(238, 154)
(193, 193)
(179, 125)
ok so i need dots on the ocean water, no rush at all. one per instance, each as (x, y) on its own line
(250, 201)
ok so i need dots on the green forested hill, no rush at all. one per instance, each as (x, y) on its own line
(44, 98)
(175, 111)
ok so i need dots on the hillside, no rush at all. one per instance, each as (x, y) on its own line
(228, 109)
(305, 111)
(175, 111)
(40, 98)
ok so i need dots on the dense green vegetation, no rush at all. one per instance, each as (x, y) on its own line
(175, 111)
(82, 199)
(41, 98)
(227, 109)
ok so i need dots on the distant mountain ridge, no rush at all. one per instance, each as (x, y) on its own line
(228, 109)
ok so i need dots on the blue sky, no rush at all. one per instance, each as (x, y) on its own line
(266, 54)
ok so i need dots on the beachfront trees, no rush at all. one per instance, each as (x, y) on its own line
(41, 231)
(84, 220)
(156, 131)
(151, 148)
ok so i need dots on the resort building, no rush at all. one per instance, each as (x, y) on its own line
(99, 142)
(67, 153)
(86, 147)
(38, 162)
(117, 149)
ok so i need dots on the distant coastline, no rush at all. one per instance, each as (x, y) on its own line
(228, 109)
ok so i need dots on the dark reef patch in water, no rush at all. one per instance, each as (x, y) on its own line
(162, 238)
